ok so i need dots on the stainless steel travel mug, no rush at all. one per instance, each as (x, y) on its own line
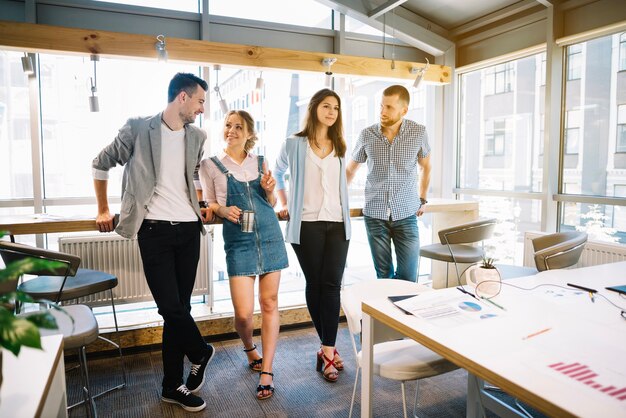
(246, 220)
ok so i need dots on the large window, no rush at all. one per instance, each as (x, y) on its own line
(500, 148)
(15, 147)
(500, 134)
(591, 123)
(72, 135)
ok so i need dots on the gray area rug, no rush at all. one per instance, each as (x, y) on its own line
(300, 391)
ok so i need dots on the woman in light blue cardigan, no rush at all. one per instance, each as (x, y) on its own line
(319, 216)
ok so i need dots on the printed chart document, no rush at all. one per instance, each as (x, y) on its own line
(447, 310)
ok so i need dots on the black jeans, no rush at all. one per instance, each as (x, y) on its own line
(322, 255)
(170, 254)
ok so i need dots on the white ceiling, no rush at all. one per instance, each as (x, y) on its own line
(451, 14)
(432, 25)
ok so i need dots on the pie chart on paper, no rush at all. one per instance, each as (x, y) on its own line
(470, 306)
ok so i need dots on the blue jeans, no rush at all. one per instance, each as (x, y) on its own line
(406, 241)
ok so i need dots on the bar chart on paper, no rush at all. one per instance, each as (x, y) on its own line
(587, 376)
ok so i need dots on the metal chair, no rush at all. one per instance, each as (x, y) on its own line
(554, 251)
(64, 284)
(79, 326)
(558, 251)
(453, 247)
(402, 360)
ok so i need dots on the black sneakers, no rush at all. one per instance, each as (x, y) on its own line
(195, 380)
(183, 397)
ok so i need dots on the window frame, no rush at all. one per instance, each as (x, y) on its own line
(620, 137)
(499, 78)
(574, 62)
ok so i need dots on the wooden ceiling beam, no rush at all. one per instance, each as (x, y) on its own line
(31, 37)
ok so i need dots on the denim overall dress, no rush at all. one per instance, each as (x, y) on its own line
(263, 250)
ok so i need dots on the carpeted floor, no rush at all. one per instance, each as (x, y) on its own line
(230, 387)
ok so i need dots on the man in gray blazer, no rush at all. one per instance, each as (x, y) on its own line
(160, 206)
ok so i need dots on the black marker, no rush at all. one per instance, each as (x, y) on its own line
(586, 289)
(466, 292)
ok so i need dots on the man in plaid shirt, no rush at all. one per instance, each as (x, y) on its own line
(393, 151)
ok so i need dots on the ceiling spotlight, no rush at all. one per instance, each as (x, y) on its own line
(420, 73)
(94, 105)
(222, 102)
(27, 65)
(223, 105)
(259, 82)
(160, 48)
(328, 62)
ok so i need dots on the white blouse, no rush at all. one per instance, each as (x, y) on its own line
(321, 188)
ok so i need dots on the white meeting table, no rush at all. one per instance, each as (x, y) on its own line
(553, 349)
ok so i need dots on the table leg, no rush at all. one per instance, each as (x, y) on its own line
(474, 405)
(367, 367)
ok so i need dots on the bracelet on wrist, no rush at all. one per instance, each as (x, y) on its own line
(423, 201)
(204, 204)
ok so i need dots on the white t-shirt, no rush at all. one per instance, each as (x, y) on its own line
(171, 200)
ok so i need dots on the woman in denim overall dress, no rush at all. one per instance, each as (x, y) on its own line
(234, 183)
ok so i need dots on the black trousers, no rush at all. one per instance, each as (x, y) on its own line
(322, 255)
(170, 254)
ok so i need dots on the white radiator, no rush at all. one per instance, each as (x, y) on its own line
(595, 252)
(120, 256)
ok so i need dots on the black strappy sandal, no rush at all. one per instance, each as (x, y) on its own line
(261, 388)
(255, 365)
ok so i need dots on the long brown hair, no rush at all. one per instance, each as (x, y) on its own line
(248, 122)
(335, 132)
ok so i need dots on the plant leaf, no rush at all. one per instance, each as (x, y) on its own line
(19, 332)
(43, 320)
(26, 265)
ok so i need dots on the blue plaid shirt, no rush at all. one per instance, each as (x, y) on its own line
(392, 188)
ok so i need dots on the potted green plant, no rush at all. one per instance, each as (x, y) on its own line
(17, 331)
(487, 262)
(484, 277)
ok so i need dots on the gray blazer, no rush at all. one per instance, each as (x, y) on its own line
(138, 147)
